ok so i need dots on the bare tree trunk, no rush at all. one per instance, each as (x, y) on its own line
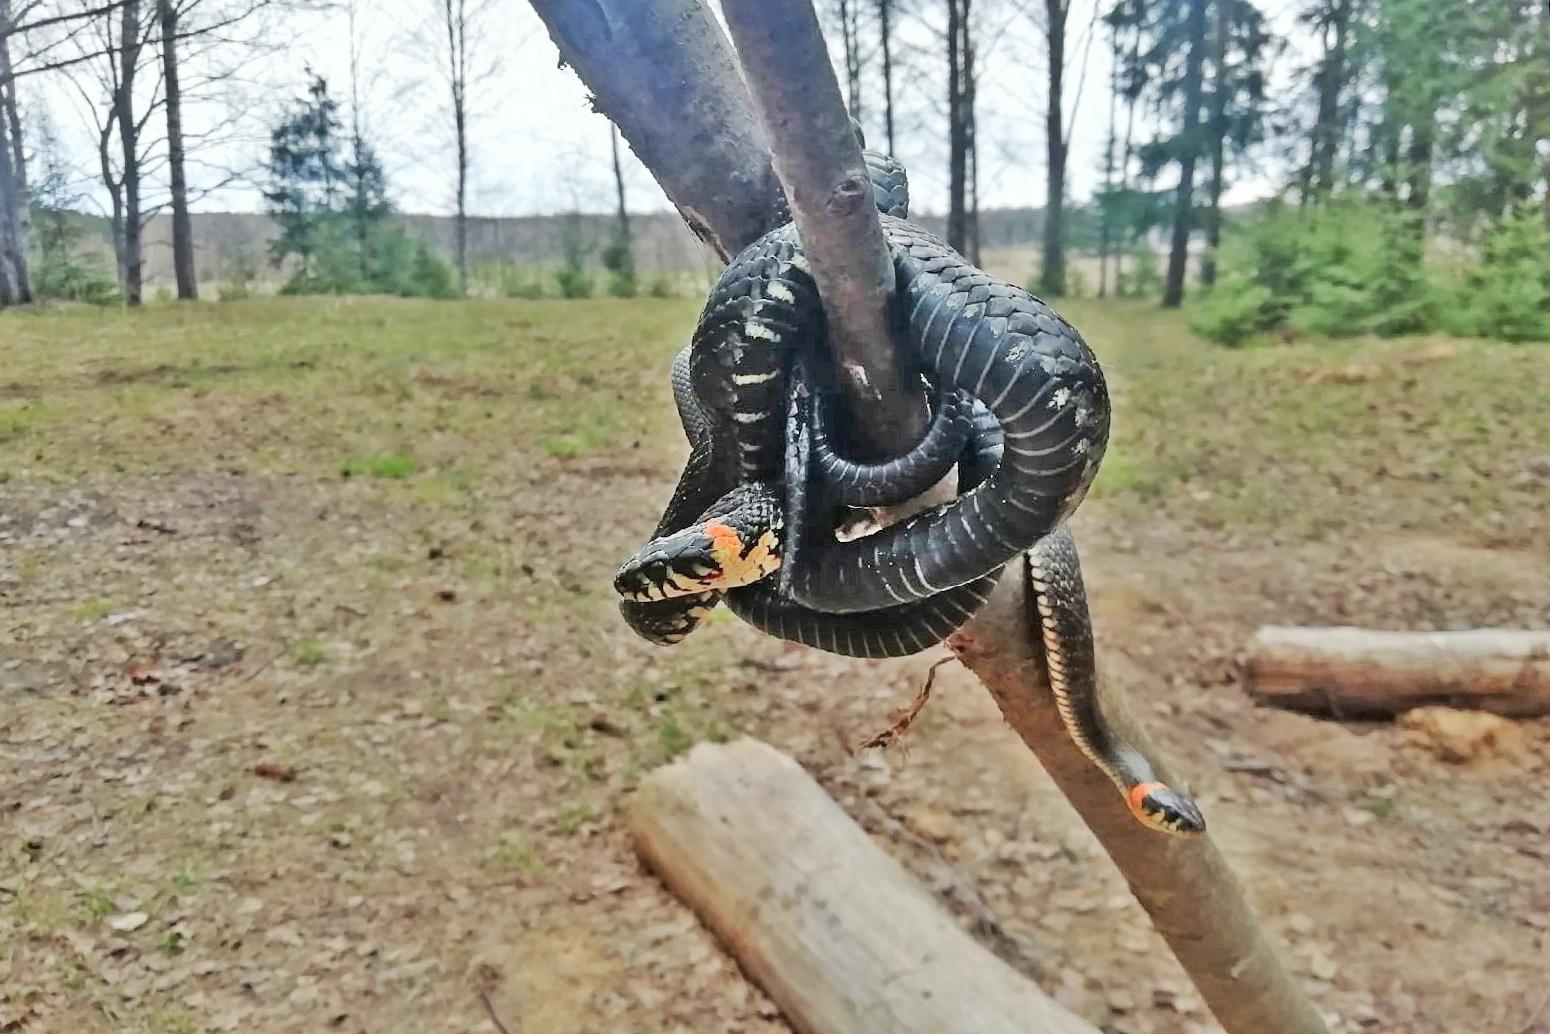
(1217, 123)
(1105, 215)
(182, 228)
(115, 189)
(1052, 270)
(1127, 155)
(457, 78)
(966, 97)
(957, 141)
(129, 144)
(357, 218)
(15, 282)
(623, 239)
(1184, 205)
(1331, 81)
(1418, 159)
(885, 23)
(13, 270)
(850, 36)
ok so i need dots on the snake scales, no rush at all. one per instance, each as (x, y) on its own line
(1019, 404)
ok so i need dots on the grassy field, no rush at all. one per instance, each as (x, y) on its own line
(420, 392)
(316, 713)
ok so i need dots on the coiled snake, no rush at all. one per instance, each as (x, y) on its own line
(1019, 404)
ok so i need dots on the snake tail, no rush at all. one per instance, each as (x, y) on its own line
(1060, 612)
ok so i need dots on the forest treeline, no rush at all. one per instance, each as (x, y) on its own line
(1401, 145)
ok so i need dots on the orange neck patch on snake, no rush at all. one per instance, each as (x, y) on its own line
(737, 565)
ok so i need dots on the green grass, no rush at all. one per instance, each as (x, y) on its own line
(309, 652)
(93, 610)
(384, 389)
(449, 399)
(396, 467)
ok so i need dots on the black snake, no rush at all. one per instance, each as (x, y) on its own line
(1019, 403)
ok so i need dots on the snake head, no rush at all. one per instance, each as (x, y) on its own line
(711, 556)
(1158, 806)
(667, 623)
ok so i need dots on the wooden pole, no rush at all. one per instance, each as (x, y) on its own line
(1366, 673)
(838, 934)
(1185, 885)
(818, 160)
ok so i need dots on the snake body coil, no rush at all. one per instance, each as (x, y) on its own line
(978, 340)
(1019, 404)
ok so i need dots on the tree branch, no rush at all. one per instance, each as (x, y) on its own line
(818, 160)
(663, 72)
(1185, 885)
(644, 60)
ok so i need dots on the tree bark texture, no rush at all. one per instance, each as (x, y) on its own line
(1184, 200)
(818, 159)
(129, 151)
(1052, 270)
(182, 229)
(1185, 885)
(15, 282)
(957, 133)
(841, 937)
(885, 31)
(1216, 124)
(1364, 673)
(457, 79)
(1327, 129)
(664, 73)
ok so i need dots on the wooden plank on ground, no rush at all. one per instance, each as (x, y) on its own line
(837, 933)
(1357, 672)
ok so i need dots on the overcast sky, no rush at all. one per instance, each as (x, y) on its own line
(538, 148)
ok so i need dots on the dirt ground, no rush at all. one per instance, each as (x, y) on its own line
(315, 713)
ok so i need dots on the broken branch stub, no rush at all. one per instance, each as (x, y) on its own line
(818, 160)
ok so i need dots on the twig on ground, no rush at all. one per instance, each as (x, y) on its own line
(905, 718)
(1533, 1017)
(489, 1009)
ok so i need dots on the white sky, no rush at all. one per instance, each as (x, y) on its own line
(538, 148)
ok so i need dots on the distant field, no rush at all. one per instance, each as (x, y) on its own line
(316, 712)
(301, 386)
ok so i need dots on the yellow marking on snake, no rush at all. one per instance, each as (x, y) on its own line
(736, 568)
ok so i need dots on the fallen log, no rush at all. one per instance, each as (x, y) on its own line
(1361, 673)
(835, 931)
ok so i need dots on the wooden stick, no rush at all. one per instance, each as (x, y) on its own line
(818, 160)
(1185, 885)
(663, 72)
(1363, 673)
(840, 936)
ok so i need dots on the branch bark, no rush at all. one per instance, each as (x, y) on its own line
(818, 160)
(1365, 673)
(1186, 887)
(663, 72)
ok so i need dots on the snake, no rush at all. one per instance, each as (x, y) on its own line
(1018, 404)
